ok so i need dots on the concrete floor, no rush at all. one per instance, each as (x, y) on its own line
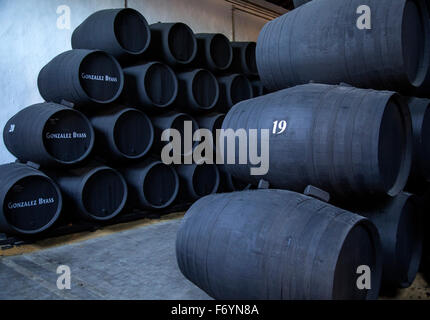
(133, 264)
(134, 260)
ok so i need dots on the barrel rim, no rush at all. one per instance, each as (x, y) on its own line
(147, 30)
(208, 51)
(176, 85)
(414, 263)
(424, 64)
(120, 73)
(191, 89)
(36, 173)
(83, 183)
(373, 293)
(90, 146)
(233, 78)
(217, 180)
(170, 51)
(151, 140)
(175, 192)
(406, 163)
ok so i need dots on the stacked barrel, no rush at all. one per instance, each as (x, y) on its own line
(353, 97)
(93, 149)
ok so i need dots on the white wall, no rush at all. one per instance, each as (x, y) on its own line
(29, 37)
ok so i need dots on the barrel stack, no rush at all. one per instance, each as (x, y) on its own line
(339, 212)
(94, 147)
(353, 100)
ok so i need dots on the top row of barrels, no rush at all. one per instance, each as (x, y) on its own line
(126, 35)
(370, 44)
(117, 56)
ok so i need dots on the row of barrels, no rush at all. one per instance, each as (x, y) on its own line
(364, 151)
(54, 135)
(117, 56)
(279, 244)
(359, 145)
(378, 44)
(126, 35)
(350, 142)
(87, 78)
(33, 198)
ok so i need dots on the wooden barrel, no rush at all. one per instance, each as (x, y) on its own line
(94, 192)
(198, 91)
(83, 77)
(177, 121)
(276, 244)
(420, 171)
(321, 42)
(123, 33)
(214, 52)
(31, 201)
(399, 223)
(244, 58)
(346, 141)
(233, 89)
(152, 184)
(197, 180)
(152, 86)
(175, 42)
(49, 134)
(122, 134)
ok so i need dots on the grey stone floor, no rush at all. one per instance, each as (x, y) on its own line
(134, 264)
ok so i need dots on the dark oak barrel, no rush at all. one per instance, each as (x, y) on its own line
(276, 244)
(83, 77)
(94, 192)
(123, 33)
(30, 201)
(349, 142)
(49, 134)
(122, 134)
(152, 184)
